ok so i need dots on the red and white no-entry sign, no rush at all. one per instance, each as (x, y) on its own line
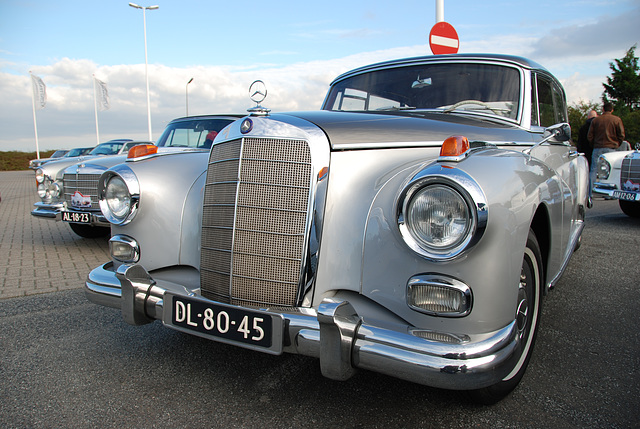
(443, 39)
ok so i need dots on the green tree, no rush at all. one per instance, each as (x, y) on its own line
(578, 115)
(623, 86)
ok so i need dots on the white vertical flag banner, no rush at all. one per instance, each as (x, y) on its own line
(39, 92)
(102, 95)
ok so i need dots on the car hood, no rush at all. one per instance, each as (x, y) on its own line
(347, 130)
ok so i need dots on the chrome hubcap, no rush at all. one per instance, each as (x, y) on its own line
(522, 309)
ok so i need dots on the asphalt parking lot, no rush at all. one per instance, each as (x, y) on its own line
(65, 362)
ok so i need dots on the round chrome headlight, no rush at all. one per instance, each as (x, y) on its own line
(118, 195)
(604, 168)
(441, 213)
(117, 198)
(438, 218)
(39, 175)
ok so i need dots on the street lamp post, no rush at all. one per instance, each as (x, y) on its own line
(146, 63)
(186, 92)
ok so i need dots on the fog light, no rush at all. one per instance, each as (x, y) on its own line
(439, 295)
(124, 249)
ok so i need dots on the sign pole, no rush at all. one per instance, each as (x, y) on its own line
(439, 11)
(35, 124)
(95, 108)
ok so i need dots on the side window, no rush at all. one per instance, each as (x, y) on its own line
(559, 102)
(534, 100)
(545, 102)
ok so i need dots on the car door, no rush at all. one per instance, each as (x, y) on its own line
(562, 157)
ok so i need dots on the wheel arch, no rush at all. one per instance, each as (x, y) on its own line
(541, 227)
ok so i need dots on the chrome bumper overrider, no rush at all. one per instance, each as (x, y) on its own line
(338, 336)
(51, 211)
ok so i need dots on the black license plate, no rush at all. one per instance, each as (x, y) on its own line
(76, 217)
(253, 329)
(627, 196)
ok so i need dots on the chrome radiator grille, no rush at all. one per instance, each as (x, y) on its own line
(630, 171)
(86, 184)
(254, 221)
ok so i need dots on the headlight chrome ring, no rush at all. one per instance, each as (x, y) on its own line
(119, 195)
(604, 168)
(441, 213)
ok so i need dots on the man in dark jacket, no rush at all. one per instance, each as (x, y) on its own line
(606, 133)
(583, 145)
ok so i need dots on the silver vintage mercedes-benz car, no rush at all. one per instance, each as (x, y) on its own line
(410, 227)
(69, 191)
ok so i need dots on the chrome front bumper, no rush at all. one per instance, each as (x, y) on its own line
(337, 336)
(53, 211)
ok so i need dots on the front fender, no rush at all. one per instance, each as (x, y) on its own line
(167, 225)
(514, 185)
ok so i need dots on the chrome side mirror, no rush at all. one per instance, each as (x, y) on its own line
(559, 132)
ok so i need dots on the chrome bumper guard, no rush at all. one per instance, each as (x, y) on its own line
(338, 336)
(50, 211)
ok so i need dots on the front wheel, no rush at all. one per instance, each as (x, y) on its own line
(88, 231)
(630, 208)
(527, 316)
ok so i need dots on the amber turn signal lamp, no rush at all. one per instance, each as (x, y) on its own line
(142, 150)
(322, 173)
(454, 146)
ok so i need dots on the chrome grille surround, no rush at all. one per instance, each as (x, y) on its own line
(255, 224)
(86, 184)
(630, 170)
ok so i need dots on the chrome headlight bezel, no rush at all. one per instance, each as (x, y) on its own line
(461, 190)
(40, 175)
(123, 177)
(603, 168)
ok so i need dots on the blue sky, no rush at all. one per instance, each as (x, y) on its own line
(295, 47)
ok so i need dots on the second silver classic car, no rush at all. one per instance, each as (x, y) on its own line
(70, 192)
(412, 227)
(618, 177)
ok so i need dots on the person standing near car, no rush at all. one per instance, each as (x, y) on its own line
(606, 133)
(583, 145)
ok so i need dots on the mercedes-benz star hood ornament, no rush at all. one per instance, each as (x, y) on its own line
(257, 93)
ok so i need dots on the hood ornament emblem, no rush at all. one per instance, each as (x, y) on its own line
(257, 93)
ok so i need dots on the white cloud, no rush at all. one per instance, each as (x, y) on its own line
(68, 119)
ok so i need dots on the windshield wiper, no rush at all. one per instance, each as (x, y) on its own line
(394, 108)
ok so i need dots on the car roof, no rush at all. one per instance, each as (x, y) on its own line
(512, 59)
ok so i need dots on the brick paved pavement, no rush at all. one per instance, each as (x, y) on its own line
(39, 255)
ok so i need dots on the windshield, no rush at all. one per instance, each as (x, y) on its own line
(460, 87)
(108, 148)
(195, 133)
(76, 152)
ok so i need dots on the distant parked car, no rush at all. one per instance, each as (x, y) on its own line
(78, 151)
(618, 177)
(73, 194)
(411, 227)
(35, 163)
